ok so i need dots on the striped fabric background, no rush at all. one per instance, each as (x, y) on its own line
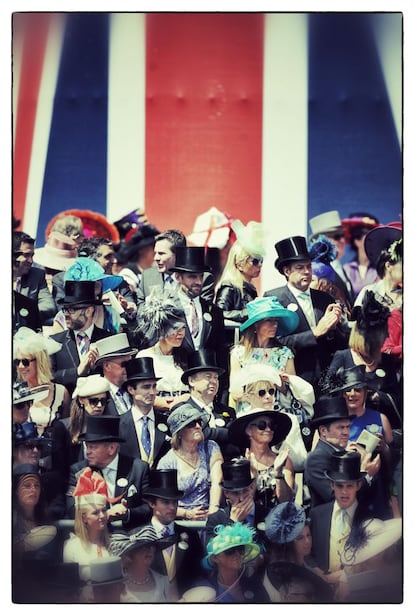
(273, 117)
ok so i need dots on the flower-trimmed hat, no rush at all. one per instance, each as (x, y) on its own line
(22, 393)
(237, 428)
(380, 238)
(184, 414)
(122, 543)
(230, 536)
(284, 522)
(250, 237)
(269, 307)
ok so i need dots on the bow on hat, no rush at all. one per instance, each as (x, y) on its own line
(91, 483)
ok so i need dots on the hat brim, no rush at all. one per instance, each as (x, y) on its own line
(190, 269)
(231, 486)
(116, 355)
(163, 493)
(34, 395)
(237, 428)
(378, 239)
(252, 550)
(326, 231)
(330, 418)
(110, 282)
(52, 261)
(381, 536)
(91, 437)
(280, 263)
(205, 368)
(340, 477)
(197, 417)
(288, 321)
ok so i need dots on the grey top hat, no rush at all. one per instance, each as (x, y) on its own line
(345, 467)
(327, 222)
(183, 415)
(112, 347)
(106, 570)
(329, 409)
(141, 368)
(101, 429)
(201, 360)
(190, 259)
(163, 484)
(236, 474)
(291, 249)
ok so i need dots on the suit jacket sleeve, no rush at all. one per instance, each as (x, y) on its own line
(315, 477)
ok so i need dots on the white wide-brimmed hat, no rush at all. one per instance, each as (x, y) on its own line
(250, 237)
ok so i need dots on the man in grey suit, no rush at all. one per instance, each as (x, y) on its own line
(320, 331)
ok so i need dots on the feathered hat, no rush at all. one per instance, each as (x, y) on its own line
(322, 252)
(370, 315)
(230, 536)
(284, 522)
(160, 316)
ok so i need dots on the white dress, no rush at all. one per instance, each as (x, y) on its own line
(166, 369)
(75, 551)
(160, 593)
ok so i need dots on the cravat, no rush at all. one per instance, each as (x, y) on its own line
(194, 319)
(307, 307)
(145, 436)
(168, 280)
(83, 343)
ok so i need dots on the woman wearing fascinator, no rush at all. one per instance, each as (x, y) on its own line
(162, 325)
(137, 550)
(369, 329)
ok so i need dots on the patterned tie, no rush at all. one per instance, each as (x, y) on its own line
(165, 531)
(145, 436)
(83, 343)
(194, 319)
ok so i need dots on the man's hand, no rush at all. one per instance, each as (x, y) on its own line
(88, 361)
(328, 321)
(118, 512)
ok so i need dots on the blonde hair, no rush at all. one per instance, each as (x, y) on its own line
(36, 350)
(369, 346)
(82, 505)
(253, 387)
(231, 273)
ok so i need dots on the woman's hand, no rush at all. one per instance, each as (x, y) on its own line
(280, 460)
(254, 466)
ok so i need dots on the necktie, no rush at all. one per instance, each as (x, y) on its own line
(194, 319)
(123, 400)
(83, 343)
(307, 307)
(343, 523)
(145, 436)
(165, 531)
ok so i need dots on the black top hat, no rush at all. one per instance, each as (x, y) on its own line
(141, 368)
(81, 293)
(199, 361)
(236, 474)
(163, 484)
(27, 432)
(329, 409)
(345, 467)
(190, 259)
(291, 249)
(101, 429)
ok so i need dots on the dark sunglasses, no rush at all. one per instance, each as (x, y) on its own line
(94, 401)
(194, 423)
(263, 424)
(234, 550)
(30, 445)
(262, 392)
(338, 236)
(24, 362)
(255, 261)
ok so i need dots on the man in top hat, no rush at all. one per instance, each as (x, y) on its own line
(181, 559)
(330, 224)
(143, 430)
(160, 274)
(113, 354)
(126, 478)
(332, 421)
(202, 377)
(320, 332)
(77, 356)
(239, 489)
(31, 293)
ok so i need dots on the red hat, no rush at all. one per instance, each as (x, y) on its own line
(91, 487)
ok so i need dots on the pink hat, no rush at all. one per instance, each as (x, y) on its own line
(59, 253)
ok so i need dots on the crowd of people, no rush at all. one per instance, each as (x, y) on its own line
(182, 436)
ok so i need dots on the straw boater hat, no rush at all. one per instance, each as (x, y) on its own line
(250, 237)
(58, 253)
(237, 429)
(113, 347)
(269, 307)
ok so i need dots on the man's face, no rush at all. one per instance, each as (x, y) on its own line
(115, 371)
(29, 452)
(100, 454)
(337, 433)
(105, 256)
(191, 283)
(78, 318)
(345, 493)
(163, 255)
(23, 258)
(164, 510)
(143, 393)
(236, 496)
(205, 384)
(299, 274)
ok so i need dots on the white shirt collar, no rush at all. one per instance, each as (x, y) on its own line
(137, 414)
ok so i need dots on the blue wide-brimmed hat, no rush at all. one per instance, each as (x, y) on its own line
(269, 307)
(87, 269)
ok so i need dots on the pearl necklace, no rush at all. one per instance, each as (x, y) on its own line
(136, 582)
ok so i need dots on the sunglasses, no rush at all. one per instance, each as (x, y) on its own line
(262, 392)
(24, 362)
(30, 446)
(261, 425)
(255, 261)
(94, 401)
(194, 423)
(72, 310)
(338, 236)
(234, 550)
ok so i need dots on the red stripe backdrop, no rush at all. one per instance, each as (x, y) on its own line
(33, 28)
(204, 116)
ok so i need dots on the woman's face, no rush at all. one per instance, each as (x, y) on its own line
(231, 559)
(28, 491)
(394, 273)
(95, 517)
(94, 404)
(267, 328)
(261, 395)
(303, 543)
(192, 433)
(142, 557)
(251, 267)
(175, 340)
(261, 430)
(355, 399)
(26, 372)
